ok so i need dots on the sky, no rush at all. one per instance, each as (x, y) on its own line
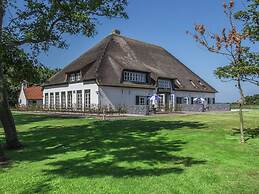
(164, 23)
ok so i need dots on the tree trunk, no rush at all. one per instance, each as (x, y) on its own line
(6, 117)
(2, 157)
(241, 119)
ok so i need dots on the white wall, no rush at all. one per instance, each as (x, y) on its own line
(121, 96)
(73, 87)
(22, 99)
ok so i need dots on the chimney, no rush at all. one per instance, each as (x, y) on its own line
(116, 32)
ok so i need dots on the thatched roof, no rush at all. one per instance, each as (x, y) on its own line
(106, 61)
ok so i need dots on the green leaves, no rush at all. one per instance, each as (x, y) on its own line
(42, 24)
(250, 19)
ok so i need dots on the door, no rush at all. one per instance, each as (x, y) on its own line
(161, 102)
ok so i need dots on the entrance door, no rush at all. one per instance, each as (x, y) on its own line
(161, 102)
(164, 102)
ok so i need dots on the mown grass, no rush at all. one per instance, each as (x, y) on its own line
(197, 153)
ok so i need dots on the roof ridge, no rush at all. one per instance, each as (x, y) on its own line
(139, 41)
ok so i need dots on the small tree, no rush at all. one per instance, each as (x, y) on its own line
(243, 64)
(41, 24)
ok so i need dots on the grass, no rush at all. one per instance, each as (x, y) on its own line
(164, 154)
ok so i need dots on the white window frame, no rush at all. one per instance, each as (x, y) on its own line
(57, 100)
(135, 77)
(79, 99)
(78, 76)
(51, 100)
(47, 99)
(87, 97)
(63, 100)
(69, 99)
(163, 83)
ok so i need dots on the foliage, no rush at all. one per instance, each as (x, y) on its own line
(252, 100)
(18, 66)
(250, 19)
(42, 24)
(196, 153)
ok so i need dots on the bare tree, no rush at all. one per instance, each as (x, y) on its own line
(243, 65)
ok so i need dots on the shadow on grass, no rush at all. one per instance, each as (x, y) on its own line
(22, 118)
(118, 148)
(249, 132)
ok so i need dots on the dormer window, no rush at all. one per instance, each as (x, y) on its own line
(73, 77)
(202, 84)
(178, 83)
(137, 77)
(78, 76)
(193, 84)
(162, 83)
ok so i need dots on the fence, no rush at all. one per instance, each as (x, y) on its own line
(203, 108)
(92, 109)
(123, 109)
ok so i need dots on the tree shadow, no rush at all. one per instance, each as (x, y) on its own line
(250, 133)
(118, 148)
(22, 119)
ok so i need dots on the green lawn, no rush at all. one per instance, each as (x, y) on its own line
(163, 154)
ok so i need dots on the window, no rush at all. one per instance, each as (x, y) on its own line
(63, 100)
(164, 83)
(51, 99)
(213, 100)
(179, 100)
(135, 77)
(208, 100)
(79, 99)
(69, 99)
(72, 77)
(141, 100)
(178, 83)
(192, 100)
(185, 100)
(46, 99)
(193, 84)
(202, 84)
(78, 76)
(57, 100)
(87, 98)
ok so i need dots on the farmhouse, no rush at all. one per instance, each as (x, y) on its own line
(30, 96)
(120, 71)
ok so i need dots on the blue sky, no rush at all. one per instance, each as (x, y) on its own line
(164, 23)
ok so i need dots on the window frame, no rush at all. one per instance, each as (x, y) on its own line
(46, 101)
(79, 99)
(57, 100)
(51, 100)
(135, 77)
(164, 83)
(87, 98)
(69, 99)
(63, 100)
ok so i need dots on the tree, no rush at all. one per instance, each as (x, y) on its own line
(252, 100)
(243, 64)
(250, 19)
(40, 24)
(2, 156)
(18, 67)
